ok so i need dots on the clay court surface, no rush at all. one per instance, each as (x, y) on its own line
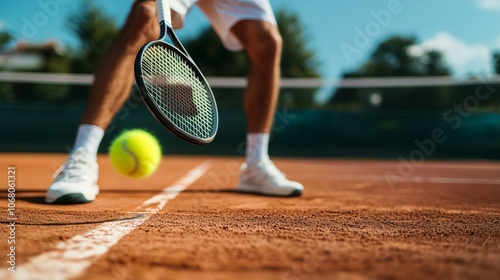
(442, 221)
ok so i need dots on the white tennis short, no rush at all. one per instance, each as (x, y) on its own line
(224, 14)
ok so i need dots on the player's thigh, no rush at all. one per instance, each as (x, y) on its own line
(225, 14)
(146, 9)
(259, 38)
(143, 12)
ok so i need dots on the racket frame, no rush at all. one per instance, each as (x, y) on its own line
(167, 32)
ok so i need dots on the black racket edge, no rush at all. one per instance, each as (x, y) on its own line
(168, 31)
(177, 46)
(159, 115)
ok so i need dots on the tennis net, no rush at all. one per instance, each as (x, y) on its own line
(315, 117)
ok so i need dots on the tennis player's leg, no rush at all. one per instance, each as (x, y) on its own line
(76, 180)
(251, 25)
(263, 43)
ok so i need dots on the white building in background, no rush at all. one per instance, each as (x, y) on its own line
(25, 56)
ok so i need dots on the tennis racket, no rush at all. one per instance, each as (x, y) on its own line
(172, 86)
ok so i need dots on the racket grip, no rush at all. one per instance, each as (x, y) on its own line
(163, 10)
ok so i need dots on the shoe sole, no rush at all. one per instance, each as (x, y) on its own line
(72, 198)
(295, 193)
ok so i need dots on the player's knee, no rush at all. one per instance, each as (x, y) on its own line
(268, 49)
(143, 20)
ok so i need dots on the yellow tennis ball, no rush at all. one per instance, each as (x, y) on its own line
(135, 153)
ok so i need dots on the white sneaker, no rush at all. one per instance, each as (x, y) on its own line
(76, 181)
(264, 178)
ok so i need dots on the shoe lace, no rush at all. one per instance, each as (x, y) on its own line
(74, 164)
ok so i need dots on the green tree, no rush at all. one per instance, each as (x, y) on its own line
(496, 62)
(95, 32)
(55, 60)
(433, 64)
(6, 93)
(298, 60)
(5, 38)
(392, 58)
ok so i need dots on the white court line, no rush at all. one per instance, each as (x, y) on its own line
(72, 257)
(412, 179)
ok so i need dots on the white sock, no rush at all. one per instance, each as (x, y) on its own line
(257, 144)
(88, 136)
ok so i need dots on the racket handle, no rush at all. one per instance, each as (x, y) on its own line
(163, 9)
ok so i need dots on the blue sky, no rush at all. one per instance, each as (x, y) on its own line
(341, 32)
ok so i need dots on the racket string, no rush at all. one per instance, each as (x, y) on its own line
(177, 91)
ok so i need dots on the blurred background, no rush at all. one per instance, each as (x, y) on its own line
(366, 78)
